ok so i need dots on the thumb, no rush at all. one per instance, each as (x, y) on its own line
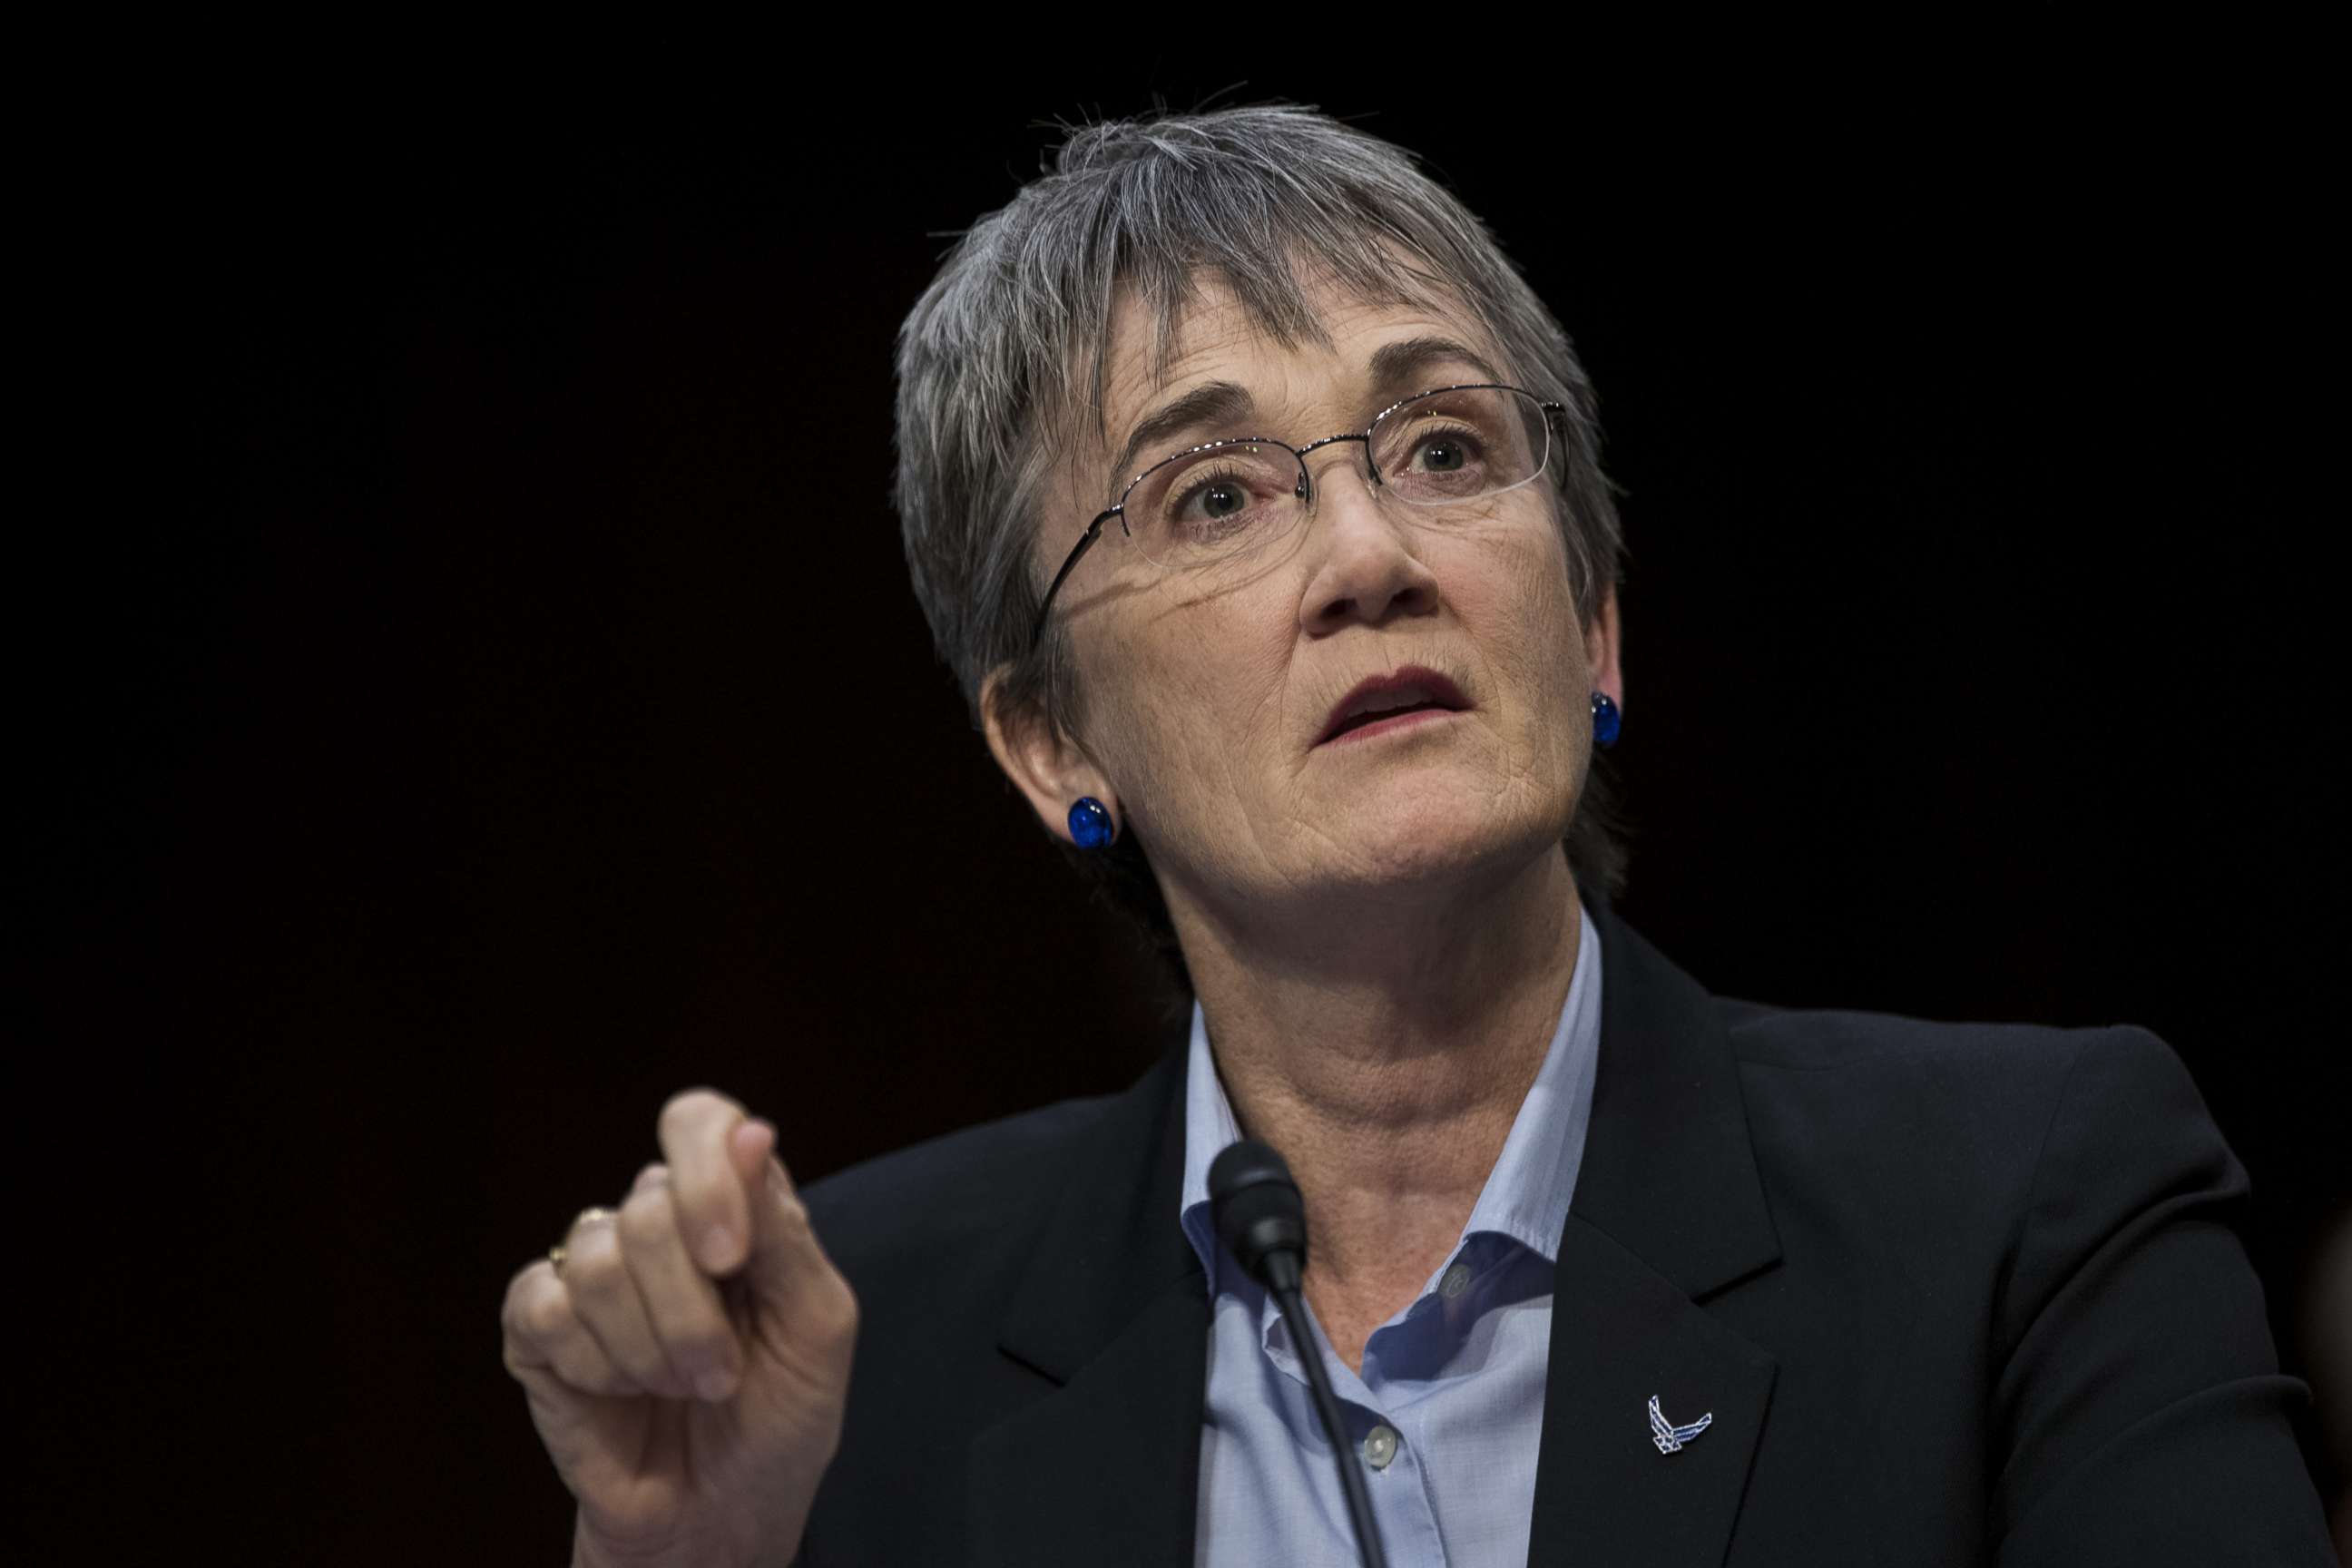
(784, 1251)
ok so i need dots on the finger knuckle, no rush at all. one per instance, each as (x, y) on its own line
(702, 1345)
(520, 1287)
(648, 1220)
(583, 1367)
(844, 1311)
(646, 1368)
(546, 1315)
(830, 1313)
(594, 1263)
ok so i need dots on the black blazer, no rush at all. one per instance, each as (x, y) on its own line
(1954, 1293)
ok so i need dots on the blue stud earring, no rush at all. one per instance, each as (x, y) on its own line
(1090, 824)
(1604, 720)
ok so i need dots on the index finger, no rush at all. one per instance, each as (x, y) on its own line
(713, 1210)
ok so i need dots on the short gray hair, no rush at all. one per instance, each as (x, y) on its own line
(1010, 343)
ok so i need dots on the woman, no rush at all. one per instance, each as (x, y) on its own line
(1253, 499)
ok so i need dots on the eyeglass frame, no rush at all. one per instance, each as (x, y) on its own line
(1554, 411)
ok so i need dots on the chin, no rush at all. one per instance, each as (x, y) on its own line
(1438, 842)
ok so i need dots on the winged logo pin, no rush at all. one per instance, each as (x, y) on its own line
(1670, 1437)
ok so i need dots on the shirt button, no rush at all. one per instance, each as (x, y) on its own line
(1380, 1447)
(1457, 1280)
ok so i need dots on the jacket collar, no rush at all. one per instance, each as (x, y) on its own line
(1668, 1208)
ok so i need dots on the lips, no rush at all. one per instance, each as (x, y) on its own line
(1412, 686)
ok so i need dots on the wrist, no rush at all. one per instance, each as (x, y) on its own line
(591, 1551)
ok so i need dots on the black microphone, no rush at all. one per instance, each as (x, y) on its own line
(1261, 1218)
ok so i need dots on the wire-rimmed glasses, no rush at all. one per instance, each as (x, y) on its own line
(1212, 503)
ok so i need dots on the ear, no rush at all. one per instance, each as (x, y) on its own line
(1048, 768)
(1601, 649)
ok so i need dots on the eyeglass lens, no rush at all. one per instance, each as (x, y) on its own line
(1440, 451)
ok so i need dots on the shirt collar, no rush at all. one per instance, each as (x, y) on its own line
(1526, 1194)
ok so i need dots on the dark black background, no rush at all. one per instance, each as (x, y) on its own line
(520, 713)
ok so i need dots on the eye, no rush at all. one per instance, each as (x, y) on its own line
(1445, 451)
(1222, 496)
(1209, 496)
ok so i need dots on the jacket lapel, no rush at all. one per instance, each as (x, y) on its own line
(1668, 1208)
(1114, 1309)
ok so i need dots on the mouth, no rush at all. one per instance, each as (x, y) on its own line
(1399, 700)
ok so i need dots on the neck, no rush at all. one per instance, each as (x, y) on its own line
(1386, 1050)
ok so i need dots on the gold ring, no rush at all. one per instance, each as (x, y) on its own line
(559, 1252)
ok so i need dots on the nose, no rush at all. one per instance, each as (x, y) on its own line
(1365, 569)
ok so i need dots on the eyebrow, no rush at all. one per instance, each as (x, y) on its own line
(1226, 402)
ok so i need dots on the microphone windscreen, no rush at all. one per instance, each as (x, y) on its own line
(1258, 1213)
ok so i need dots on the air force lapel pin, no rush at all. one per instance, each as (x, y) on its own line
(1670, 1437)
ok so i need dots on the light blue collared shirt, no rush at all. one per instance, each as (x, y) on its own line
(1449, 1411)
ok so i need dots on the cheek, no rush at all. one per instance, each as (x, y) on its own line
(1207, 793)
(1186, 707)
(1521, 615)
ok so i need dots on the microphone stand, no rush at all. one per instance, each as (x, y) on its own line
(1261, 1217)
